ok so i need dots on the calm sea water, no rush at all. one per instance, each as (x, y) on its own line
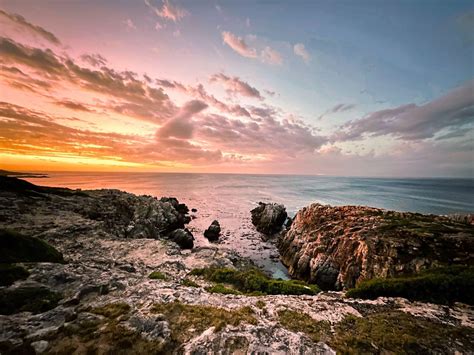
(229, 198)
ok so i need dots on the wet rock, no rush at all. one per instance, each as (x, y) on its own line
(268, 218)
(336, 247)
(183, 238)
(212, 233)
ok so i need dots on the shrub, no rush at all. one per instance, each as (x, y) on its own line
(444, 285)
(15, 247)
(189, 283)
(28, 299)
(220, 288)
(255, 282)
(10, 273)
(157, 275)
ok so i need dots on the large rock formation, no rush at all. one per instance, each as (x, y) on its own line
(268, 218)
(109, 212)
(336, 247)
(212, 233)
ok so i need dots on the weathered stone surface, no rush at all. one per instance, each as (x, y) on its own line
(212, 233)
(268, 218)
(336, 247)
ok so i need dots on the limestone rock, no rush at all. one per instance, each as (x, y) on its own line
(336, 247)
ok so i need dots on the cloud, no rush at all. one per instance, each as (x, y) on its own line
(271, 56)
(130, 25)
(235, 86)
(21, 22)
(73, 105)
(180, 126)
(96, 60)
(238, 44)
(300, 50)
(127, 94)
(168, 11)
(450, 112)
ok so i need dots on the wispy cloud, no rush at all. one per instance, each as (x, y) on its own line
(130, 25)
(168, 11)
(271, 56)
(21, 22)
(239, 45)
(235, 86)
(300, 50)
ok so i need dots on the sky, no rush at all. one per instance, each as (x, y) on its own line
(348, 88)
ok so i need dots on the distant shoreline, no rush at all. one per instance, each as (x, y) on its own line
(23, 175)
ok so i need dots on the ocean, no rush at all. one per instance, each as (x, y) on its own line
(230, 197)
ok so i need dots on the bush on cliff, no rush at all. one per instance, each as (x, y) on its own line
(444, 285)
(15, 247)
(253, 281)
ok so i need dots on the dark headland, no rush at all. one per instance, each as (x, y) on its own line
(109, 272)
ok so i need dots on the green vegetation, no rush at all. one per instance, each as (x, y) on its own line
(187, 321)
(27, 299)
(255, 282)
(391, 332)
(444, 285)
(220, 288)
(422, 225)
(260, 304)
(157, 275)
(302, 322)
(112, 310)
(398, 333)
(10, 273)
(189, 283)
(104, 336)
(15, 247)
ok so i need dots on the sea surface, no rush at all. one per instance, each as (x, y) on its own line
(230, 197)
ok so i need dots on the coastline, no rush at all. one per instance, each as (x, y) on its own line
(106, 289)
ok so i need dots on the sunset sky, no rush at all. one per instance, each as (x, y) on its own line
(370, 88)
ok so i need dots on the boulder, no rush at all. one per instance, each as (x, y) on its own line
(337, 247)
(268, 218)
(212, 233)
(183, 238)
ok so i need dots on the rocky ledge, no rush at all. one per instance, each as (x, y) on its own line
(338, 247)
(89, 272)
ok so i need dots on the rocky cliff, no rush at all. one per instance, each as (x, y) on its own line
(336, 247)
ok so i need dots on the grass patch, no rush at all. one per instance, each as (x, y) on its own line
(398, 333)
(444, 285)
(112, 310)
(28, 299)
(16, 247)
(187, 321)
(189, 283)
(157, 275)
(302, 322)
(10, 273)
(105, 336)
(255, 282)
(220, 288)
(260, 304)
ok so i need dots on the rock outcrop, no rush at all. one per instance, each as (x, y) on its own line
(336, 247)
(109, 212)
(212, 233)
(268, 218)
(183, 238)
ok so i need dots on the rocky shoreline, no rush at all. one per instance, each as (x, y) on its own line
(112, 242)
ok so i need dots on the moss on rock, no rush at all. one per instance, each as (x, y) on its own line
(255, 282)
(444, 285)
(35, 299)
(16, 247)
(10, 273)
(157, 275)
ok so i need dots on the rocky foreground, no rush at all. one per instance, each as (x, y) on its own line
(123, 280)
